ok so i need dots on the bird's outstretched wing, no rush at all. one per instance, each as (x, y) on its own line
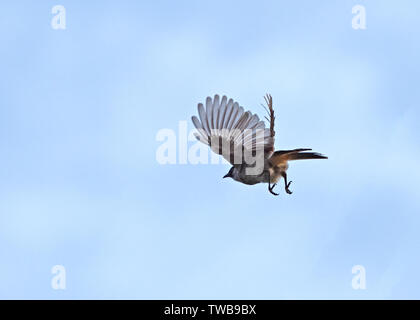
(231, 132)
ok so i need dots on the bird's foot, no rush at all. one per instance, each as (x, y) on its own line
(287, 188)
(271, 189)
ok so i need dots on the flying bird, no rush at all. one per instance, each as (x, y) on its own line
(243, 140)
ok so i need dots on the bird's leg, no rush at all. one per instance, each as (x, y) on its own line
(271, 187)
(286, 184)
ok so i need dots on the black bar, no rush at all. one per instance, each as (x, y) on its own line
(209, 309)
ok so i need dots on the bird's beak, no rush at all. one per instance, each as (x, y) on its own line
(226, 176)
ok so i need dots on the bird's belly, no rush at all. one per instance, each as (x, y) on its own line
(276, 173)
(250, 179)
(274, 176)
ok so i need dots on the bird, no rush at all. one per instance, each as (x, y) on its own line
(244, 141)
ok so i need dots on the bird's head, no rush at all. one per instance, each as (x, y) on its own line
(229, 174)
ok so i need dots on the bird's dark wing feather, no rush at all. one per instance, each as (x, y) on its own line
(269, 148)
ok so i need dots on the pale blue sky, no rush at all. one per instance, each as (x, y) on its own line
(79, 181)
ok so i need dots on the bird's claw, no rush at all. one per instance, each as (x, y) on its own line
(287, 188)
(271, 189)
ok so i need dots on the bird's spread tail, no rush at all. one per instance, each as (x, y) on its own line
(305, 155)
(296, 154)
